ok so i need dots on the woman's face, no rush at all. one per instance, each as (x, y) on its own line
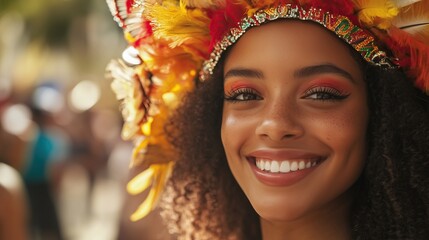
(294, 118)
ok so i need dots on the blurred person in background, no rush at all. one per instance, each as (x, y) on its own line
(12, 150)
(64, 43)
(48, 147)
(13, 199)
(12, 147)
(86, 149)
(13, 205)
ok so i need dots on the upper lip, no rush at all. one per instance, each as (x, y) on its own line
(283, 154)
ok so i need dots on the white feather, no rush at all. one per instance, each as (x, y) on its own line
(414, 19)
(403, 3)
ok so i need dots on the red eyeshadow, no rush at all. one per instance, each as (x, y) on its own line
(329, 82)
(237, 85)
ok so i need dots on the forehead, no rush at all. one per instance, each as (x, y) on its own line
(290, 44)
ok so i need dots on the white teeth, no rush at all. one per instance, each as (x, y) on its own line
(301, 165)
(275, 166)
(261, 164)
(283, 166)
(267, 165)
(294, 166)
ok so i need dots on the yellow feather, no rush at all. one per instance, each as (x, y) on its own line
(141, 182)
(146, 207)
(140, 145)
(414, 19)
(161, 174)
(177, 24)
(212, 4)
(377, 13)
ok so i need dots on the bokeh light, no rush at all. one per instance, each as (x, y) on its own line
(16, 119)
(47, 48)
(49, 99)
(84, 96)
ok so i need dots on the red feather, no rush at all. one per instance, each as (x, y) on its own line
(223, 20)
(129, 5)
(338, 7)
(414, 55)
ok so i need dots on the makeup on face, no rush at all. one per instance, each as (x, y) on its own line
(294, 118)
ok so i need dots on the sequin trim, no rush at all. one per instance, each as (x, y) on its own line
(359, 39)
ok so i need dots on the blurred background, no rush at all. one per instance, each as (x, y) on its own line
(59, 121)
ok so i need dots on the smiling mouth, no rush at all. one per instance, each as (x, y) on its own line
(285, 166)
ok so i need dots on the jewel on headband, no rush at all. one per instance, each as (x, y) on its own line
(360, 40)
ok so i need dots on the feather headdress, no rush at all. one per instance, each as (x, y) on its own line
(171, 41)
(404, 26)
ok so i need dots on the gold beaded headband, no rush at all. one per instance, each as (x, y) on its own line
(343, 27)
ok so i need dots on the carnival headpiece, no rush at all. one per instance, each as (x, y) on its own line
(173, 43)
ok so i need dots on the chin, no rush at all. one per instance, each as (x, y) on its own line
(278, 212)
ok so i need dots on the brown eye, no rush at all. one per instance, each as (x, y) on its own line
(325, 93)
(241, 95)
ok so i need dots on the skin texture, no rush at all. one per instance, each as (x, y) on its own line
(285, 95)
(204, 201)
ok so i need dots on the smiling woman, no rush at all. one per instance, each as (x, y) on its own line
(295, 111)
(300, 126)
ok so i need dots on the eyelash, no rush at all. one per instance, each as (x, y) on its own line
(329, 94)
(233, 95)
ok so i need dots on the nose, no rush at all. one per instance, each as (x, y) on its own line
(280, 121)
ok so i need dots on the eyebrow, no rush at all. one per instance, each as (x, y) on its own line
(244, 72)
(322, 68)
(300, 73)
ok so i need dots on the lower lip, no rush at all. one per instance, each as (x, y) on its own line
(280, 179)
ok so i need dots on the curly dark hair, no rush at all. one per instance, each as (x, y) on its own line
(204, 201)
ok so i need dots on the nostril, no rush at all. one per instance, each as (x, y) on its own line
(289, 135)
(279, 129)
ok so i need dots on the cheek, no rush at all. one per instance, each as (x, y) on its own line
(230, 128)
(346, 131)
(235, 130)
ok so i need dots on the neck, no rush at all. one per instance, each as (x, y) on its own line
(331, 222)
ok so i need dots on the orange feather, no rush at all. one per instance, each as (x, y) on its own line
(418, 55)
(414, 19)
